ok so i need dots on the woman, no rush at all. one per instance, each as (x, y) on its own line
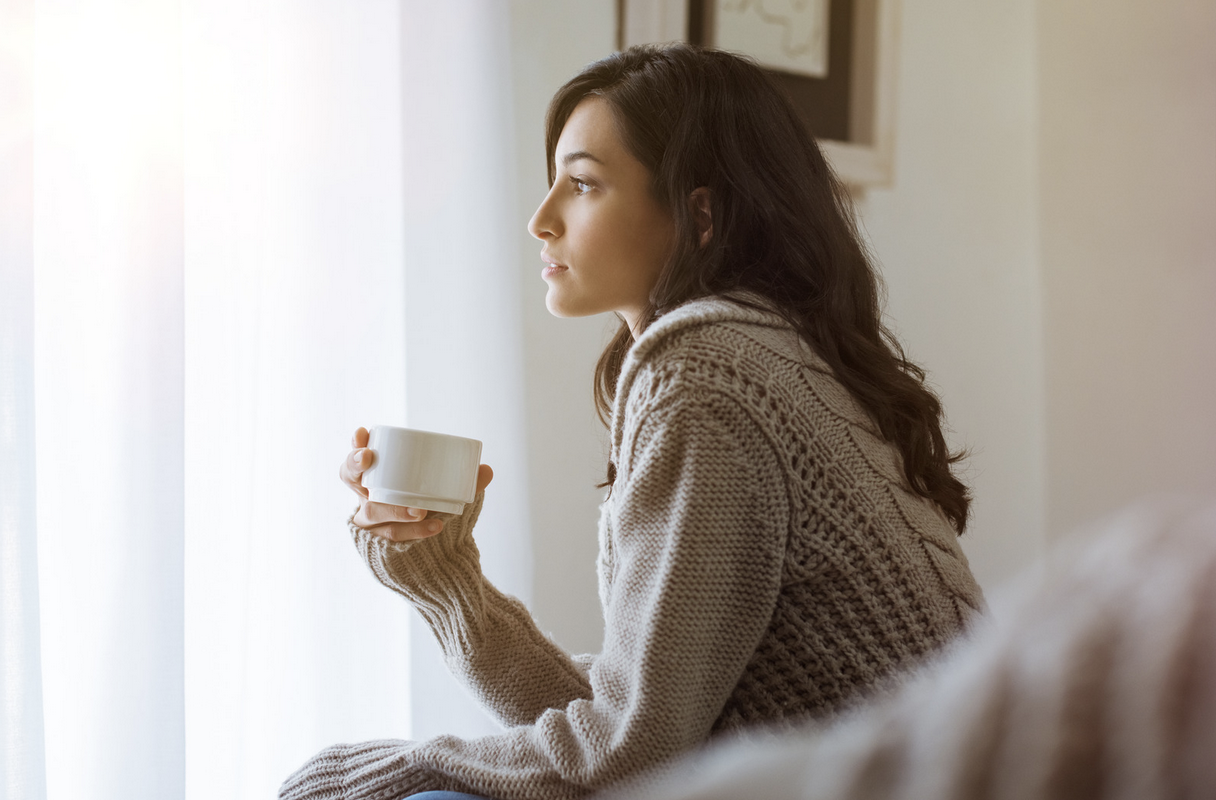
(780, 528)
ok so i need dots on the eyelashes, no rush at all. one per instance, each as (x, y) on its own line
(581, 186)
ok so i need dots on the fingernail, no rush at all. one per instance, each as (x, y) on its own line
(359, 456)
(434, 525)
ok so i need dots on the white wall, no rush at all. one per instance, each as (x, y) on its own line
(460, 172)
(956, 237)
(1128, 175)
(567, 444)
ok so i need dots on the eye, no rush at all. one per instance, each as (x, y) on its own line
(580, 186)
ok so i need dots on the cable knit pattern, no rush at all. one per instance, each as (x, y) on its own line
(1094, 679)
(761, 560)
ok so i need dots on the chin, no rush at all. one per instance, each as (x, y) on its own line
(557, 308)
(567, 304)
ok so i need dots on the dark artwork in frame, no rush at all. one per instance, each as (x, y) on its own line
(822, 103)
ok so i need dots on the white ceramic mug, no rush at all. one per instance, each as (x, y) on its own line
(421, 469)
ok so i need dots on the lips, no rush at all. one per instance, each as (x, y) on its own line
(552, 267)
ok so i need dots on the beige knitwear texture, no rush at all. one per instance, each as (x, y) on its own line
(1094, 678)
(762, 560)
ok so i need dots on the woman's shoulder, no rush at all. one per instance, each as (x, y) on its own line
(721, 347)
(705, 317)
(737, 348)
(701, 323)
(715, 339)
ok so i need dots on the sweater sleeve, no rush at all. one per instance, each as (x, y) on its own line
(698, 519)
(488, 639)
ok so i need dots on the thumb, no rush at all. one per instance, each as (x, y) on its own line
(484, 476)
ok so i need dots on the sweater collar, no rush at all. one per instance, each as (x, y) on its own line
(702, 311)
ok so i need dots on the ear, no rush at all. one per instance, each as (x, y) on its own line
(702, 213)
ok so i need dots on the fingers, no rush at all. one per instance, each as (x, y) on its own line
(404, 532)
(396, 523)
(484, 476)
(380, 513)
(351, 470)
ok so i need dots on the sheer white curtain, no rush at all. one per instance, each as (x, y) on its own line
(107, 400)
(22, 772)
(464, 330)
(242, 229)
(294, 337)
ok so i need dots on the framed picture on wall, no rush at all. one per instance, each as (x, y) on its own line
(834, 59)
(789, 37)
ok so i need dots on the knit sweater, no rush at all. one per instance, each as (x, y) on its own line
(1093, 679)
(762, 559)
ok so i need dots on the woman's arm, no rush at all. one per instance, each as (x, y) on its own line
(449, 570)
(488, 639)
(699, 518)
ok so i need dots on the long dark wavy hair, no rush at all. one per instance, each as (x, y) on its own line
(783, 227)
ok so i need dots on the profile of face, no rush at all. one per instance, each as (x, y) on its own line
(606, 237)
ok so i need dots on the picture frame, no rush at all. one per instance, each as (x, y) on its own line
(856, 119)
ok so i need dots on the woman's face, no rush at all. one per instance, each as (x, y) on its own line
(605, 235)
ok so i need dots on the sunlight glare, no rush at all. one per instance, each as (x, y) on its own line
(108, 80)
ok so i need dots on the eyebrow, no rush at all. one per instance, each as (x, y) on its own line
(578, 155)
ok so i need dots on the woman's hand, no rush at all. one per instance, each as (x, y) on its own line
(395, 523)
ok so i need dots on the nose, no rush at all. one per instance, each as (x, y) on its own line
(545, 223)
